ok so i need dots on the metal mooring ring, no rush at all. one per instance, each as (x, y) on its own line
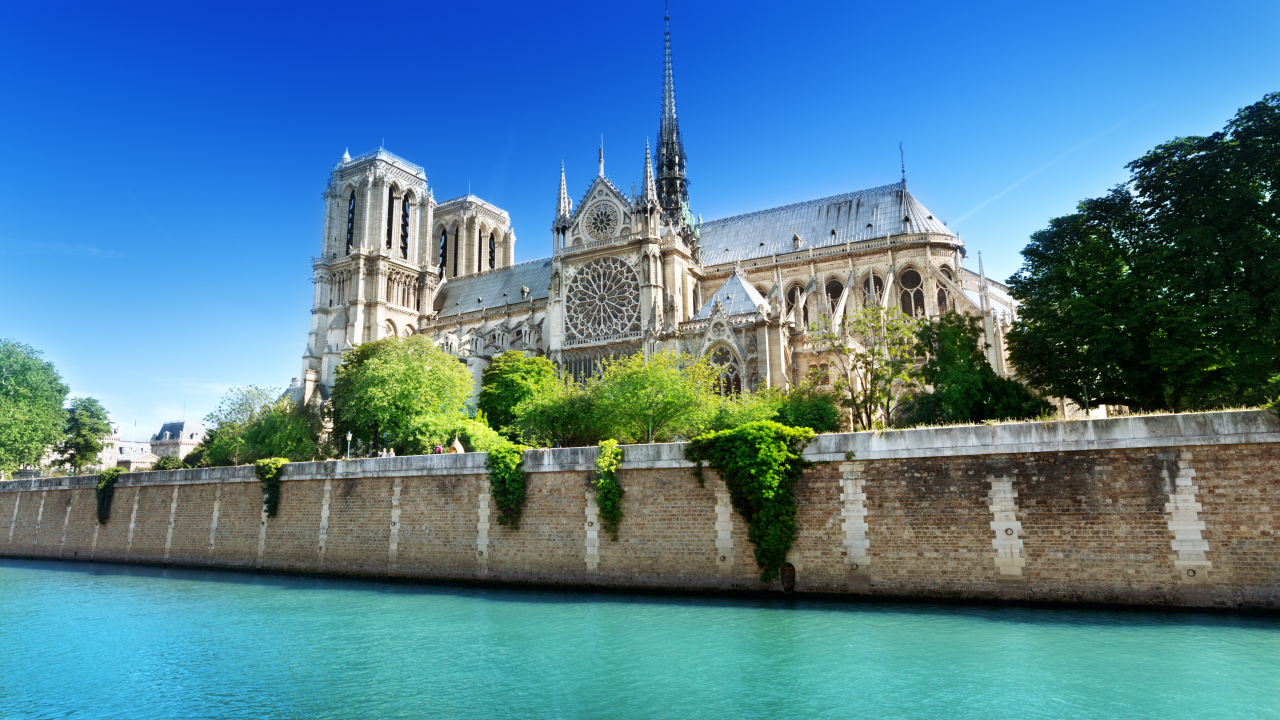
(1008, 531)
(479, 552)
(722, 558)
(1191, 573)
(855, 566)
(590, 524)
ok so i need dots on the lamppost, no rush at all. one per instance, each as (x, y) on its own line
(348, 445)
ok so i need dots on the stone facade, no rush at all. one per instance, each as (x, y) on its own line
(1170, 510)
(627, 273)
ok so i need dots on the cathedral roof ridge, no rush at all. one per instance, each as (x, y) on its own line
(472, 292)
(879, 189)
(472, 199)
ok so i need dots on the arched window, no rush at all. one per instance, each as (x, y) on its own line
(391, 213)
(351, 221)
(835, 289)
(457, 249)
(404, 228)
(942, 300)
(912, 295)
(729, 378)
(444, 250)
(870, 295)
(793, 300)
(493, 251)
(946, 272)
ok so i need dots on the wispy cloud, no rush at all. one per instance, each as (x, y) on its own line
(63, 249)
(1046, 166)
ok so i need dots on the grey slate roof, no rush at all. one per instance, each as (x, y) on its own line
(184, 429)
(465, 294)
(855, 216)
(736, 296)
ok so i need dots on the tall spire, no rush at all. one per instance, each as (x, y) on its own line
(673, 186)
(563, 206)
(650, 192)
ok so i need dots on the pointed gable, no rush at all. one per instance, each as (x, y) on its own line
(736, 296)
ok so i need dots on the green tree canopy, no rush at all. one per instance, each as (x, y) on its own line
(511, 379)
(32, 417)
(965, 388)
(1163, 294)
(225, 442)
(387, 390)
(88, 426)
(641, 400)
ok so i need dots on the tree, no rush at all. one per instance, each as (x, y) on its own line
(965, 388)
(169, 462)
(511, 379)
(87, 426)
(32, 418)
(387, 388)
(1163, 294)
(285, 430)
(564, 414)
(224, 442)
(640, 399)
(873, 351)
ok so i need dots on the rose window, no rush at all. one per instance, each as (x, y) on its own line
(603, 299)
(601, 220)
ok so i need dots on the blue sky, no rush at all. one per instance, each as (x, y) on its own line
(163, 163)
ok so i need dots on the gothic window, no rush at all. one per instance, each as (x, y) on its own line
(912, 296)
(351, 221)
(479, 248)
(602, 220)
(835, 289)
(391, 213)
(946, 272)
(942, 300)
(869, 296)
(493, 251)
(728, 378)
(603, 299)
(444, 250)
(457, 249)
(404, 228)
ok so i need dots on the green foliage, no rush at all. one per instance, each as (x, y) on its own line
(507, 481)
(1273, 394)
(106, 491)
(965, 388)
(1162, 295)
(431, 430)
(732, 411)
(759, 463)
(224, 442)
(168, 462)
(609, 491)
(386, 390)
(32, 418)
(268, 471)
(510, 380)
(87, 426)
(873, 351)
(812, 405)
(639, 400)
(285, 430)
(564, 414)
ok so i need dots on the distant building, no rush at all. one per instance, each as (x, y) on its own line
(177, 438)
(137, 462)
(116, 448)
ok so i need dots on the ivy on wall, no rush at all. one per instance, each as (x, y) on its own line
(106, 491)
(759, 463)
(609, 491)
(268, 471)
(507, 481)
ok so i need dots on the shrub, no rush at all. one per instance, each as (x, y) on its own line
(168, 462)
(106, 491)
(564, 414)
(759, 463)
(507, 481)
(609, 491)
(268, 471)
(811, 405)
(428, 431)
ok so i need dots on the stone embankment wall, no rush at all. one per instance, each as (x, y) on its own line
(1165, 510)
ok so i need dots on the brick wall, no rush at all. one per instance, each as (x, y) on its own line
(1150, 511)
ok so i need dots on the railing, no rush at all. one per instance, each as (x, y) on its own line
(816, 253)
(388, 153)
(605, 339)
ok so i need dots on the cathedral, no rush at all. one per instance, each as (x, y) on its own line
(626, 274)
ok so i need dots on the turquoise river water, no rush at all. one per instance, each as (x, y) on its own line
(104, 641)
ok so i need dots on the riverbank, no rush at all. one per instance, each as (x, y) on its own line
(1169, 510)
